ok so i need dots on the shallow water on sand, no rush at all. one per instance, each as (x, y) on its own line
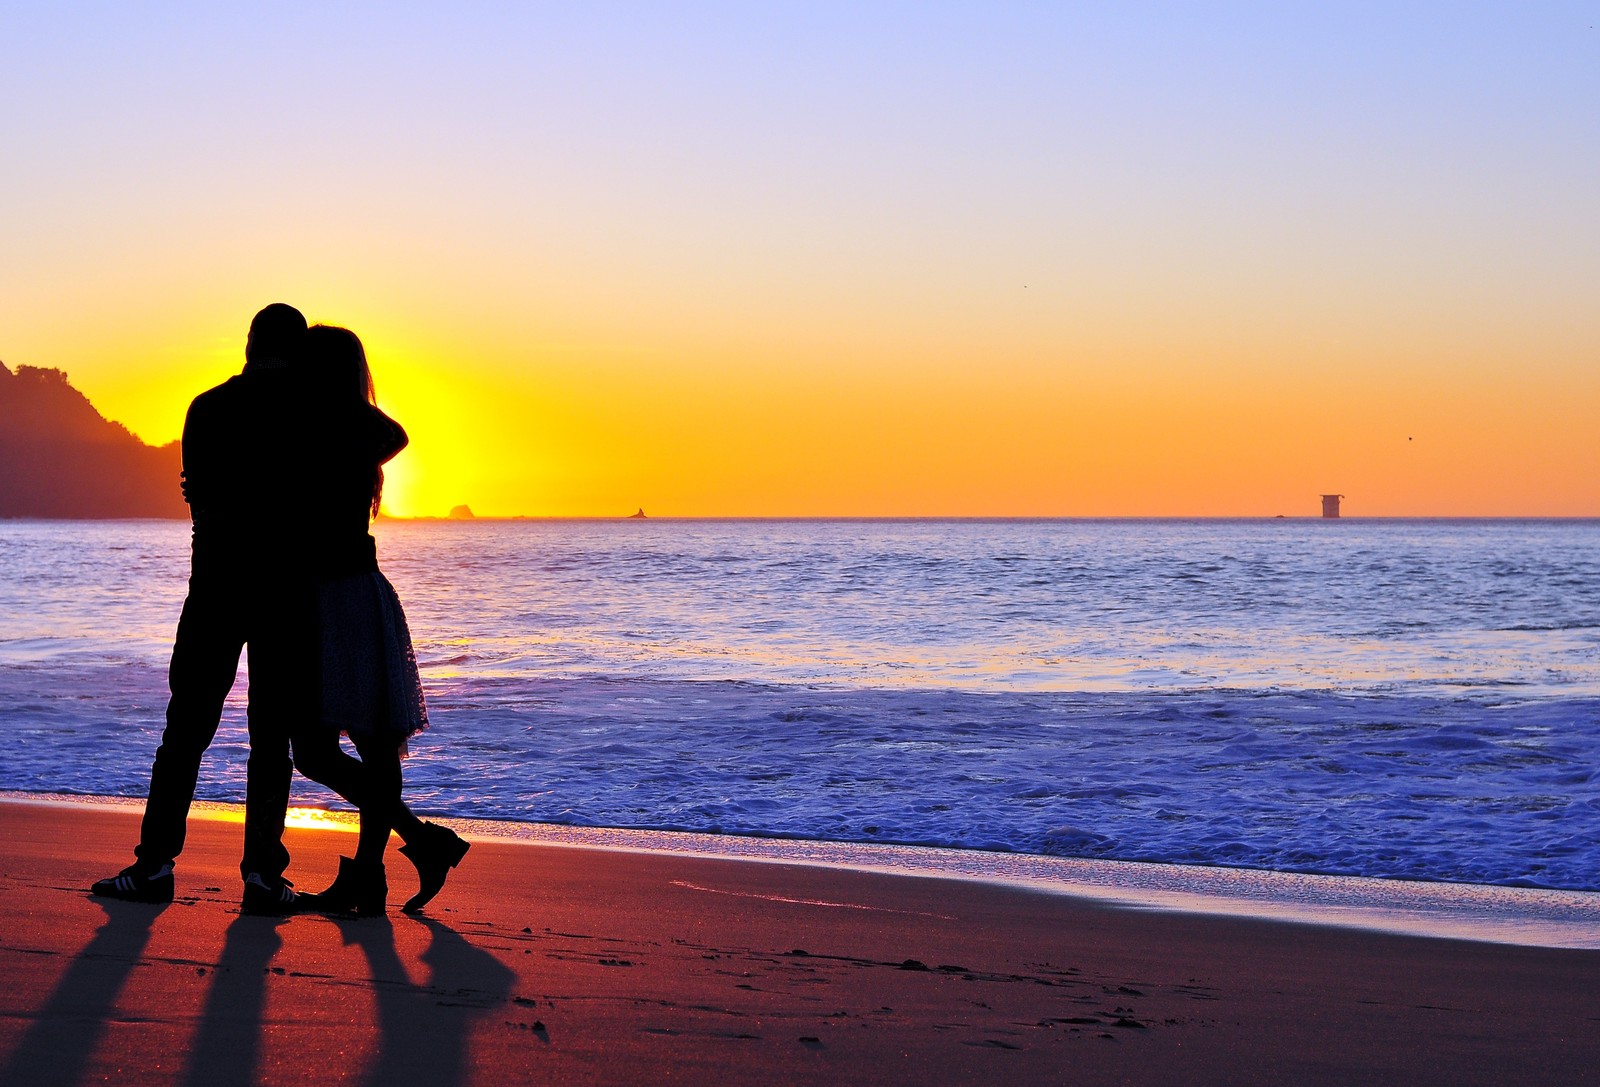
(1456, 911)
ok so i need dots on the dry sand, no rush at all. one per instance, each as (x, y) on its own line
(573, 966)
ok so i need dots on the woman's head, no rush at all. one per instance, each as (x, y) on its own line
(338, 363)
(338, 369)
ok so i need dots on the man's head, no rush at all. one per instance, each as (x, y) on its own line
(278, 332)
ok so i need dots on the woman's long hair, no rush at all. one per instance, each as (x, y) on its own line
(340, 372)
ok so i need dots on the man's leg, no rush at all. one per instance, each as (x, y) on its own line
(277, 678)
(205, 659)
(268, 776)
(283, 694)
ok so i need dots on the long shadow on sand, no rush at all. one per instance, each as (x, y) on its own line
(227, 1043)
(68, 1027)
(423, 1029)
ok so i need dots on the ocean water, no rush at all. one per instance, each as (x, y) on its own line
(1413, 699)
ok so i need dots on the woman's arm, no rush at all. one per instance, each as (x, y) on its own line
(388, 437)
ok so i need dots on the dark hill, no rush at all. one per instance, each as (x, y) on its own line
(59, 457)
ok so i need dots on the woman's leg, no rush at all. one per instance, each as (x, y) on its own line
(318, 756)
(386, 754)
(380, 758)
(361, 887)
(433, 849)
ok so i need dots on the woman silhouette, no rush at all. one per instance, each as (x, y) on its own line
(369, 688)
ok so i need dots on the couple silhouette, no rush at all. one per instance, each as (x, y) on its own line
(283, 471)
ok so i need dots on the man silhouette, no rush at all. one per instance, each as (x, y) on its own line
(246, 451)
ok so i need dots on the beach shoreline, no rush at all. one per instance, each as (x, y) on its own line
(585, 965)
(1537, 917)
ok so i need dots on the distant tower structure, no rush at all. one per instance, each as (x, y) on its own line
(1330, 505)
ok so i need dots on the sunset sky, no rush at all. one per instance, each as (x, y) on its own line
(771, 259)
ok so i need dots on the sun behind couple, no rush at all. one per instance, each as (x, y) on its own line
(283, 471)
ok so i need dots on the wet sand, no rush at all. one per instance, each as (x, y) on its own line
(545, 964)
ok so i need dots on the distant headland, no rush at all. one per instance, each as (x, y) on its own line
(59, 457)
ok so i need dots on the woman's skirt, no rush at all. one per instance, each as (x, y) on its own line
(370, 686)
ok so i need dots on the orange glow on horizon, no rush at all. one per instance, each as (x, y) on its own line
(968, 417)
(553, 438)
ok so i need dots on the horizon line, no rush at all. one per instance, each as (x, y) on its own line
(999, 517)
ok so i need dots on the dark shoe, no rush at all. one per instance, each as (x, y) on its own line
(361, 890)
(139, 882)
(269, 897)
(436, 851)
